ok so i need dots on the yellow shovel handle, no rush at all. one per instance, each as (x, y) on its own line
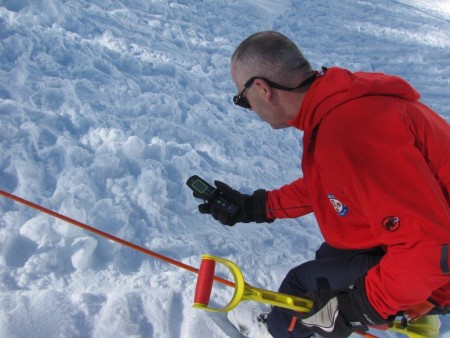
(297, 304)
(242, 290)
(205, 282)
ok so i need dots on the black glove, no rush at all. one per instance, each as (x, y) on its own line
(337, 313)
(251, 208)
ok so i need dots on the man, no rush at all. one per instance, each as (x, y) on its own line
(376, 165)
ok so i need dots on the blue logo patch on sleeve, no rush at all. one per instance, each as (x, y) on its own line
(340, 207)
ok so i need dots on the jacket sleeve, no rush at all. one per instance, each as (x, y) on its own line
(408, 211)
(290, 201)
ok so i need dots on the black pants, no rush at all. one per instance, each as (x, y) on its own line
(332, 269)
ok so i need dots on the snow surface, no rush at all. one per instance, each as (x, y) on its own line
(108, 106)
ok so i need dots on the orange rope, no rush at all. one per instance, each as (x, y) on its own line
(108, 236)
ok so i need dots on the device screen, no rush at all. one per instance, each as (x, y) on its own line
(200, 187)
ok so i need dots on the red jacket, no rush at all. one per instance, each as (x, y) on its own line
(376, 166)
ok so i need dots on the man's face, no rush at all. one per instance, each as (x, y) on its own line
(264, 101)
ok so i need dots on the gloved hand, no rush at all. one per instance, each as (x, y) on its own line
(337, 313)
(251, 208)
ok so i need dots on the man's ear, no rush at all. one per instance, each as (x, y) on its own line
(263, 89)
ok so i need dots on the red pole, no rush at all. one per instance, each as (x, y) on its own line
(108, 236)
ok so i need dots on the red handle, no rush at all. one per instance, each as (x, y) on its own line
(205, 282)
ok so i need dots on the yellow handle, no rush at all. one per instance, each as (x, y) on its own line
(239, 285)
(244, 291)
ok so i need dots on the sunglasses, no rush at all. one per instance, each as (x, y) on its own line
(241, 100)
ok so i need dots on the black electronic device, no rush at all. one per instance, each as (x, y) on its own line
(207, 192)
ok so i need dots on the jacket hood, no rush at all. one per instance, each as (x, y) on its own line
(338, 86)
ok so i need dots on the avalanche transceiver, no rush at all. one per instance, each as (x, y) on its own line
(207, 192)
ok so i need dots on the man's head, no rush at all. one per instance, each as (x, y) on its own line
(277, 66)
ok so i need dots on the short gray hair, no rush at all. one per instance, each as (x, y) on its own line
(272, 55)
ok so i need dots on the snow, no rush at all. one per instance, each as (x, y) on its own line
(107, 107)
